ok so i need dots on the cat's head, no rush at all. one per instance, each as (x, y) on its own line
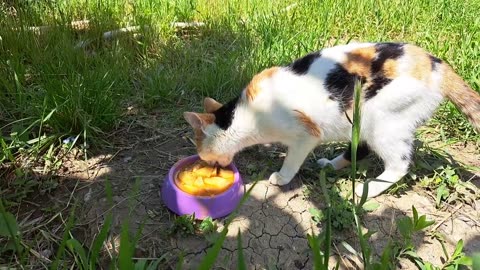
(210, 139)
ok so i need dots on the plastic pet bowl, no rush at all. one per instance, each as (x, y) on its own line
(183, 203)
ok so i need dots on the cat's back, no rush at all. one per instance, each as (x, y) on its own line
(367, 60)
(330, 74)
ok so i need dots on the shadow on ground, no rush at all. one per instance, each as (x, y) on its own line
(274, 221)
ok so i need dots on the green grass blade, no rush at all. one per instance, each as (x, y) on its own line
(355, 134)
(328, 239)
(355, 141)
(210, 258)
(180, 262)
(77, 249)
(241, 265)
(386, 258)
(125, 254)
(6, 152)
(364, 197)
(49, 115)
(212, 253)
(323, 186)
(476, 261)
(328, 230)
(458, 249)
(65, 237)
(102, 236)
(154, 265)
(9, 227)
(140, 264)
(314, 243)
(415, 215)
(127, 245)
(9, 222)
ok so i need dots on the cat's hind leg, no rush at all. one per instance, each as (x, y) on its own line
(345, 159)
(396, 155)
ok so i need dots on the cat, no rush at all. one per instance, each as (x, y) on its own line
(310, 101)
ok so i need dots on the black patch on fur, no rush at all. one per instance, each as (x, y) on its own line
(224, 115)
(378, 82)
(434, 61)
(301, 65)
(362, 151)
(384, 52)
(340, 83)
(405, 157)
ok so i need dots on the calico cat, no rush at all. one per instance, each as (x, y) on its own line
(310, 101)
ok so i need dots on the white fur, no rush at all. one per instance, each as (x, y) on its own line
(388, 120)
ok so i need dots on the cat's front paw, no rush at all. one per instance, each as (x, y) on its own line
(277, 179)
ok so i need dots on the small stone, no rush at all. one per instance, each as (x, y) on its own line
(88, 195)
(46, 253)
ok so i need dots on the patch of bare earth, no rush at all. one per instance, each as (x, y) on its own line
(274, 221)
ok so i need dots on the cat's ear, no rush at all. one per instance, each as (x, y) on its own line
(193, 119)
(199, 120)
(211, 105)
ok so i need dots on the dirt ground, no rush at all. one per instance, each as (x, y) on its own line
(274, 221)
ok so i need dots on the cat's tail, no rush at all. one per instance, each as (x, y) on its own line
(463, 96)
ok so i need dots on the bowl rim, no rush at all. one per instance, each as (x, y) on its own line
(190, 159)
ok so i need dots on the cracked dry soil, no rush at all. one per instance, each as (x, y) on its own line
(274, 221)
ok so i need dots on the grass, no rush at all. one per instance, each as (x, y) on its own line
(55, 95)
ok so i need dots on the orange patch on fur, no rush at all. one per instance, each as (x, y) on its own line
(307, 122)
(207, 118)
(462, 95)
(422, 67)
(253, 87)
(390, 69)
(359, 61)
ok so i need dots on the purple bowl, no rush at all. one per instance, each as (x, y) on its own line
(183, 203)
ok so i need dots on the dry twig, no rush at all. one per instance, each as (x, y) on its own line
(447, 217)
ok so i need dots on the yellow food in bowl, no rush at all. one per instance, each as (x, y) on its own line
(201, 179)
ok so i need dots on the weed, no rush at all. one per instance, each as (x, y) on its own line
(448, 187)
(184, 225)
(317, 215)
(340, 209)
(9, 229)
(207, 226)
(408, 227)
(241, 265)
